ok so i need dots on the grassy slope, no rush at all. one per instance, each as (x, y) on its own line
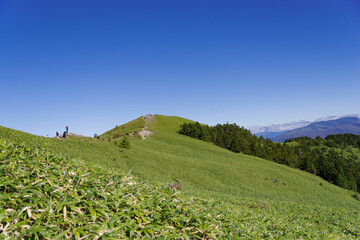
(123, 130)
(271, 195)
(50, 197)
(89, 149)
(203, 166)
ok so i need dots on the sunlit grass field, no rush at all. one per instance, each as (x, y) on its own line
(266, 199)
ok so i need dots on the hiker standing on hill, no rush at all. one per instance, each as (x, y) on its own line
(57, 134)
(67, 129)
(64, 135)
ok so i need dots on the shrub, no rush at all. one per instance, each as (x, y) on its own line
(124, 143)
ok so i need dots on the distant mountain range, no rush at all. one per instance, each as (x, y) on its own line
(276, 129)
(320, 127)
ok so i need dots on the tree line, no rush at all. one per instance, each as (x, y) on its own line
(328, 158)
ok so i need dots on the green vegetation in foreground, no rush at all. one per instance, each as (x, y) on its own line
(48, 197)
(266, 200)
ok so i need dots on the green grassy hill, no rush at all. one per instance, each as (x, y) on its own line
(265, 199)
(201, 166)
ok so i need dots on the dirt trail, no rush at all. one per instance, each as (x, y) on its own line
(145, 132)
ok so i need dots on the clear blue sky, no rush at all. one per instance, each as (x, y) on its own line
(94, 64)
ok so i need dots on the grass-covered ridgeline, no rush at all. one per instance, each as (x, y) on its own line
(202, 167)
(130, 128)
(253, 197)
(89, 149)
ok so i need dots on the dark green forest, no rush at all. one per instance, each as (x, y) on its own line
(331, 158)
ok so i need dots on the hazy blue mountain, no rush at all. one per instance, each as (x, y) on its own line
(276, 129)
(323, 128)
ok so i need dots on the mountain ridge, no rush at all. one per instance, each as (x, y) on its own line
(323, 129)
(275, 130)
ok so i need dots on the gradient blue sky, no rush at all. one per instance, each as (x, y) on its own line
(94, 64)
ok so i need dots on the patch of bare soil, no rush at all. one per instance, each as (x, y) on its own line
(145, 132)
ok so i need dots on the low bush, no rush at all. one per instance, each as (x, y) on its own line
(124, 143)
